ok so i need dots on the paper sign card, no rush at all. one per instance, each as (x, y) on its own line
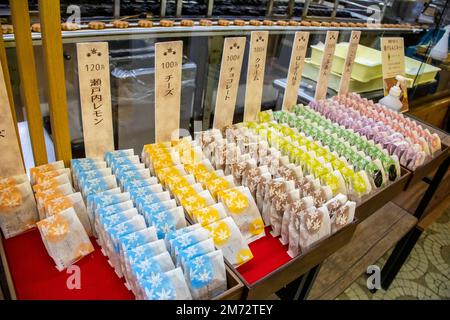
(95, 98)
(393, 64)
(299, 47)
(255, 74)
(348, 65)
(11, 157)
(168, 63)
(325, 67)
(230, 72)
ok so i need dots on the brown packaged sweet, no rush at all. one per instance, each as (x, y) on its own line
(351, 25)
(255, 23)
(335, 24)
(343, 24)
(205, 22)
(293, 23)
(120, 24)
(325, 24)
(361, 25)
(187, 23)
(315, 24)
(223, 23)
(166, 23)
(282, 23)
(145, 24)
(69, 26)
(36, 27)
(305, 23)
(7, 29)
(268, 23)
(96, 25)
(239, 22)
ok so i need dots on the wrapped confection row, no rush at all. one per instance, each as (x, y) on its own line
(300, 209)
(208, 196)
(399, 135)
(144, 233)
(352, 148)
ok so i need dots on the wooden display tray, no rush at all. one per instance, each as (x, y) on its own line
(434, 162)
(296, 267)
(374, 201)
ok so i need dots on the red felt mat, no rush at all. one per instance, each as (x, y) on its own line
(35, 276)
(268, 255)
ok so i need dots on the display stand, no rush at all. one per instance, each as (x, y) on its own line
(441, 162)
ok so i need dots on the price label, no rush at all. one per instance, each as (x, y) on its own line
(294, 76)
(393, 64)
(11, 157)
(230, 72)
(348, 66)
(95, 98)
(168, 63)
(325, 67)
(255, 74)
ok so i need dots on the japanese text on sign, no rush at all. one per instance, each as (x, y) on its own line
(325, 68)
(294, 76)
(230, 72)
(95, 97)
(255, 74)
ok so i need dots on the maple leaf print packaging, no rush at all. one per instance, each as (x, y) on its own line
(132, 175)
(92, 174)
(75, 201)
(135, 184)
(44, 176)
(169, 285)
(12, 181)
(274, 187)
(194, 201)
(241, 206)
(198, 249)
(65, 239)
(110, 210)
(106, 200)
(134, 240)
(109, 155)
(168, 220)
(85, 164)
(93, 200)
(176, 233)
(315, 225)
(296, 211)
(145, 266)
(108, 221)
(17, 209)
(342, 216)
(51, 193)
(205, 275)
(51, 183)
(120, 162)
(209, 214)
(98, 185)
(218, 184)
(44, 168)
(228, 238)
(187, 239)
(134, 224)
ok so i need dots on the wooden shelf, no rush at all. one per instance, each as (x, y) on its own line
(372, 239)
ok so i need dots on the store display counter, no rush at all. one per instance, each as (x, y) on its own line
(31, 274)
(271, 269)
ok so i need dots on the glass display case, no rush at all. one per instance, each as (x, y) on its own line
(360, 162)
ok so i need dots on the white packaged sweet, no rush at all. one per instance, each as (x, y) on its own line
(170, 285)
(205, 275)
(18, 211)
(65, 239)
(315, 225)
(241, 206)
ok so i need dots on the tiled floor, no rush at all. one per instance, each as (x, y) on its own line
(425, 275)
